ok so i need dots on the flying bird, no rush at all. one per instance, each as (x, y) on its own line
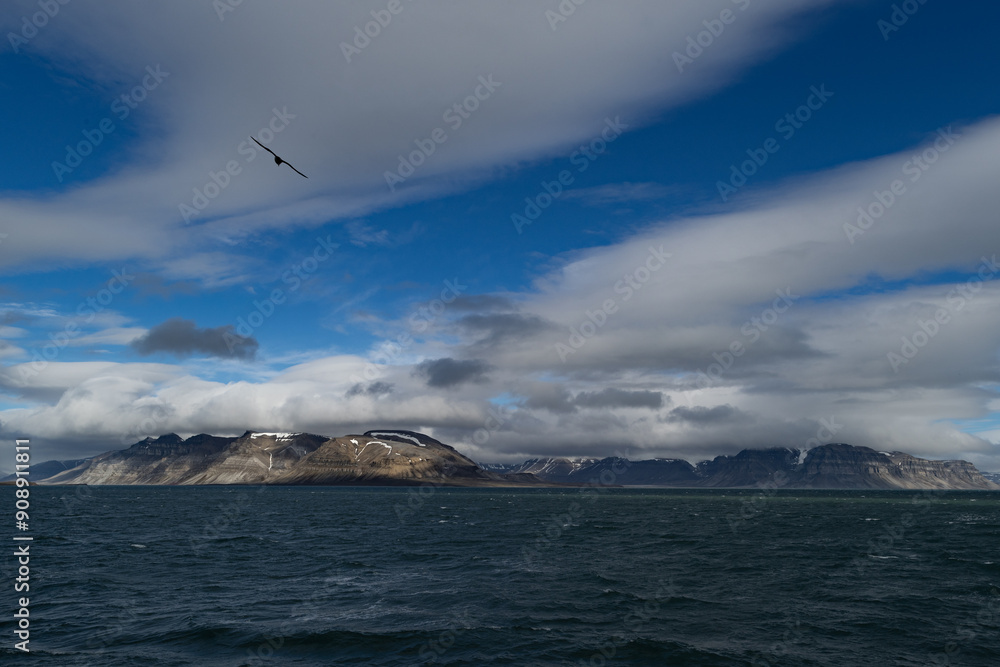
(277, 160)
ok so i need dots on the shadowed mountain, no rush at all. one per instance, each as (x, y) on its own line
(748, 468)
(612, 470)
(833, 466)
(45, 470)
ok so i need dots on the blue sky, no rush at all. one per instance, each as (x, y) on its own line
(523, 293)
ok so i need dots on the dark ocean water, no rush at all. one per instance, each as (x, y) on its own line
(210, 576)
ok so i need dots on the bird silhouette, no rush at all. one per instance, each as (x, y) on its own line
(277, 160)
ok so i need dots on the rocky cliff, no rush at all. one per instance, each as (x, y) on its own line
(833, 466)
(844, 466)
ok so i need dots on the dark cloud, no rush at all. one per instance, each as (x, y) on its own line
(8, 317)
(701, 415)
(448, 372)
(620, 398)
(183, 338)
(551, 397)
(498, 328)
(374, 389)
(695, 354)
(555, 399)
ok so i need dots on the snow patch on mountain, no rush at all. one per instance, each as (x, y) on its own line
(396, 434)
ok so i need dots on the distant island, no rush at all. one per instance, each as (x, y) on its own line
(407, 458)
(832, 466)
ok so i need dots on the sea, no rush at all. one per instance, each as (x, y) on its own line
(246, 576)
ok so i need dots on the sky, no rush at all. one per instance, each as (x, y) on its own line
(655, 229)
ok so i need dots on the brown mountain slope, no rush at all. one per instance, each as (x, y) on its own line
(392, 458)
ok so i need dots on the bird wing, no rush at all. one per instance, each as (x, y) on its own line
(265, 147)
(296, 170)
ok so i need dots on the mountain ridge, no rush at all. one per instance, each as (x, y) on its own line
(400, 457)
(830, 466)
(392, 458)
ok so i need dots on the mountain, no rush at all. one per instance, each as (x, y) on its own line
(992, 476)
(748, 468)
(610, 470)
(374, 458)
(844, 466)
(394, 457)
(833, 466)
(47, 469)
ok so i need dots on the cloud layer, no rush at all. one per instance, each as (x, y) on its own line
(734, 340)
(220, 84)
(859, 302)
(183, 338)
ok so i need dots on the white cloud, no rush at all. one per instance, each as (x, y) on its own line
(113, 336)
(821, 358)
(824, 357)
(351, 120)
